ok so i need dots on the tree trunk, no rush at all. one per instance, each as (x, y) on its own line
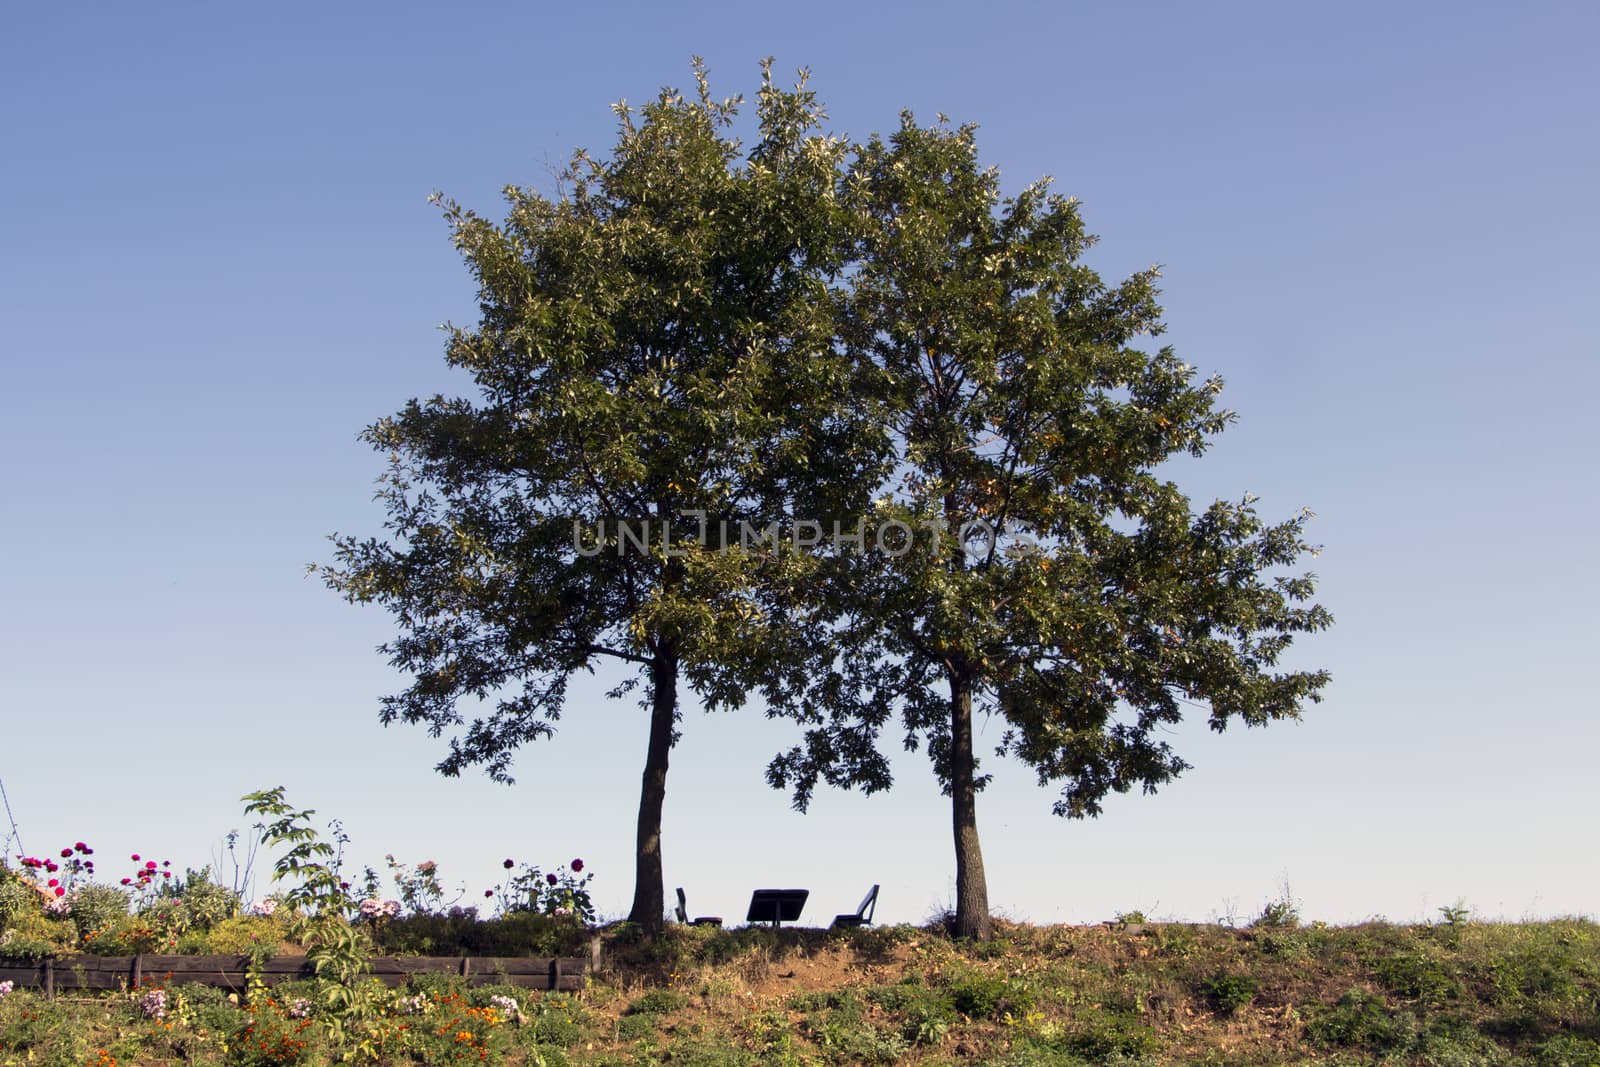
(649, 887)
(972, 890)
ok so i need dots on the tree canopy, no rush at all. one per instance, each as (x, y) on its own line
(656, 340)
(812, 335)
(1065, 586)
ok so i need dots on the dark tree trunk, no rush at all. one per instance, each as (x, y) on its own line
(972, 890)
(649, 887)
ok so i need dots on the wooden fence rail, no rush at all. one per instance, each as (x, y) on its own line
(229, 972)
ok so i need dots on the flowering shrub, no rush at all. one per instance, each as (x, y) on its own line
(373, 909)
(153, 1005)
(508, 1007)
(420, 889)
(53, 879)
(562, 892)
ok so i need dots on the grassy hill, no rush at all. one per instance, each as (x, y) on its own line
(1450, 994)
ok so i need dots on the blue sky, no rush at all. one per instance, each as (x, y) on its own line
(1377, 222)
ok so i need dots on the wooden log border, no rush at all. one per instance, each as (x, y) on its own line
(229, 972)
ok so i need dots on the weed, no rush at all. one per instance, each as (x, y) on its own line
(1227, 993)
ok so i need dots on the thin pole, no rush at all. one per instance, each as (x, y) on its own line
(16, 834)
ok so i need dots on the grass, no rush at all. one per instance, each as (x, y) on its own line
(1449, 995)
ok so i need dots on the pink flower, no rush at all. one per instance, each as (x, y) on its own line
(66, 853)
(136, 857)
(577, 866)
(127, 881)
(81, 847)
(150, 865)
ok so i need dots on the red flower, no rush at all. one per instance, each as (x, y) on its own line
(136, 857)
(61, 891)
(150, 865)
(66, 853)
(51, 866)
(550, 878)
(577, 866)
(81, 847)
(53, 883)
(127, 881)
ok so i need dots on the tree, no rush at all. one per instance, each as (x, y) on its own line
(1015, 402)
(656, 342)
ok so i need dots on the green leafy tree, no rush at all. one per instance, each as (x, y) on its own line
(657, 345)
(1014, 400)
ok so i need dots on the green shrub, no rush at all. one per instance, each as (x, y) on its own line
(1227, 993)
(1362, 1021)
(31, 935)
(244, 935)
(658, 1002)
(637, 1027)
(924, 1014)
(1416, 976)
(1102, 1037)
(97, 907)
(205, 902)
(984, 996)
(1568, 1050)
(556, 1019)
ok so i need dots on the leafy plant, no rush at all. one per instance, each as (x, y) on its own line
(1227, 993)
(308, 863)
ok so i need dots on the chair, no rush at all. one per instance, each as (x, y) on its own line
(683, 913)
(862, 916)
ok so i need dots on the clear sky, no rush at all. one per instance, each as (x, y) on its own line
(1377, 222)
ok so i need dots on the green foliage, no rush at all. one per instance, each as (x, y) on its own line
(1108, 1037)
(1361, 1021)
(657, 342)
(1417, 976)
(308, 861)
(1059, 584)
(658, 1002)
(205, 902)
(1227, 993)
(17, 898)
(97, 907)
(515, 934)
(925, 1014)
(1277, 915)
(244, 934)
(988, 996)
